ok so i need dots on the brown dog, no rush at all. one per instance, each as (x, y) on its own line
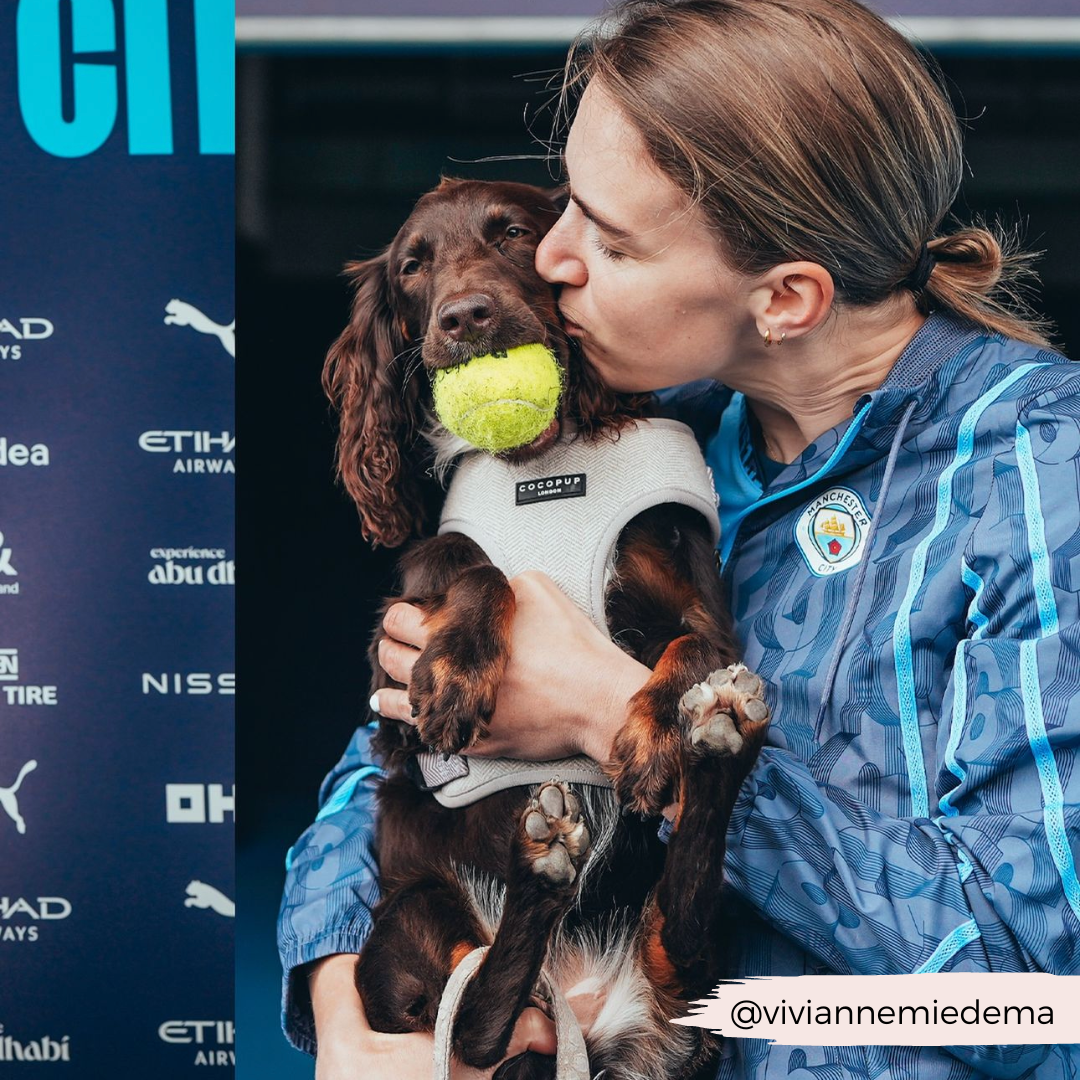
(516, 869)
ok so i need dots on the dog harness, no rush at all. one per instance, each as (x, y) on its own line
(571, 1054)
(562, 513)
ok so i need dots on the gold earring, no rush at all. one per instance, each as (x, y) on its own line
(768, 339)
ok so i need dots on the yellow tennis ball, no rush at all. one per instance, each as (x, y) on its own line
(502, 400)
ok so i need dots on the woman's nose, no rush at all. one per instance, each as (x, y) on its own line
(556, 258)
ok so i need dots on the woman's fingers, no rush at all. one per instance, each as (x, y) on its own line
(393, 704)
(406, 636)
(405, 623)
(397, 660)
(533, 1031)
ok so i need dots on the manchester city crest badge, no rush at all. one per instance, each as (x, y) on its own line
(831, 531)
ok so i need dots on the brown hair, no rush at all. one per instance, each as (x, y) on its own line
(808, 129)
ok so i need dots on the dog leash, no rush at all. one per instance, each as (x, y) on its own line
(571, 1057)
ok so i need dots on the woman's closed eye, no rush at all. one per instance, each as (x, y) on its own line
(608, 253)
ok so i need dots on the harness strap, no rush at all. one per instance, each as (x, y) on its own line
(571, 1057)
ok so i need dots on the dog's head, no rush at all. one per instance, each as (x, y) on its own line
(458, 281)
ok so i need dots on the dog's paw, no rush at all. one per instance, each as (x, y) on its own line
(452, 701)
(645, 765)
(456, 677)
(726, 715)
(554, 834)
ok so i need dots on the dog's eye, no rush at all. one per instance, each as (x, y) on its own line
(515, 231)
(410, 267)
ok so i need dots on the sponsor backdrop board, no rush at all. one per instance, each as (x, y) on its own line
(117, 469)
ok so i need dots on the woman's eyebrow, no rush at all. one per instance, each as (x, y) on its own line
(614, 231)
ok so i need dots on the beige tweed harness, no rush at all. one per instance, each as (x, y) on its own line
(562, 513)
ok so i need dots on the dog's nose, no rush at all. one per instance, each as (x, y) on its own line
(466, 317)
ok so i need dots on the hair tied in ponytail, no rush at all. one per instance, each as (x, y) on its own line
(924, 267)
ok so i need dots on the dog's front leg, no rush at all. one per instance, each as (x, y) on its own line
(550, 846)
(725, 722)
(456, 678)
(468, 605)
(666, 606)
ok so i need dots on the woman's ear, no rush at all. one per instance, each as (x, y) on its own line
(379, 408)
(792, 299)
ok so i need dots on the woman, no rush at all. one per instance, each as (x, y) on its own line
(757, 196)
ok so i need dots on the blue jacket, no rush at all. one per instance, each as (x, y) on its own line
(907, 590)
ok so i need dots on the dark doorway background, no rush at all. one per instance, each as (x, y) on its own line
(334, 150)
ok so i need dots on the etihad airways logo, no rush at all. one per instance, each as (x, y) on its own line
(213, 449)
(210, 1036)
(16, 912)
(14, 333)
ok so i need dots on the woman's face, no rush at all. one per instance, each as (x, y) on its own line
(643, 286)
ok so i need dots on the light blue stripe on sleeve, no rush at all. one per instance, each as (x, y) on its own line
(976, 585)
(344, 793)
(1040, 557)
(966, 866)
(962, 936)
(1049, 779)
(960, 687)
(905, 668)
(959, 712)
(339, 800)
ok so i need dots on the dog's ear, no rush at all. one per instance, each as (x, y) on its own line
(593, 405)
(367, 378)
(559, 196)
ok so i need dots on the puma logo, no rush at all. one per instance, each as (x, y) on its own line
(8, 800)
(201, 895)
(179, 313)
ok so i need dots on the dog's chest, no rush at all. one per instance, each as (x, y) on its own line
(562, 513)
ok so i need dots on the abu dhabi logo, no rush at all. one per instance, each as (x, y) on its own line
(7, 571)
(180, 566)
(34, 1050)
(201, 895)
(9, 801)
(180, 313)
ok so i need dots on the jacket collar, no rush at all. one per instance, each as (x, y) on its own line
(915, 374)
(718, 416)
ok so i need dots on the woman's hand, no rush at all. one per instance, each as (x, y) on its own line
(350, 1050)
(565, 688)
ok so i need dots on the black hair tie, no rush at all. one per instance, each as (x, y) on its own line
(917, 279)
